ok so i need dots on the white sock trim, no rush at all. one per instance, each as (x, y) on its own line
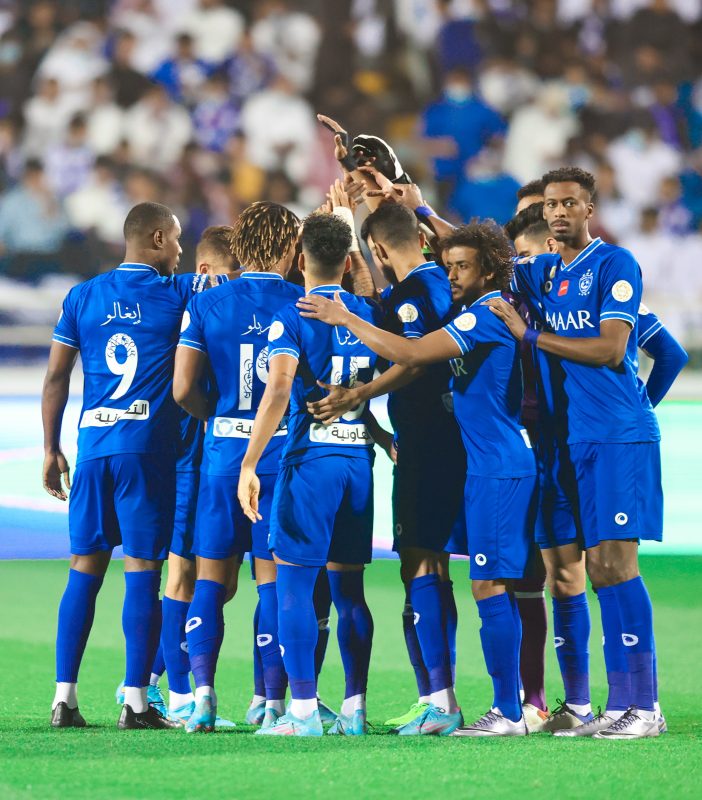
(135, 698)
(205, 691)
(445, 699)
(302, 709)
(353, 704)
(176, 700)
(65, 693)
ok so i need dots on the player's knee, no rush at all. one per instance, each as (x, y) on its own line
(604, 570)
(483, 589)
(564, 581)
(92, 564)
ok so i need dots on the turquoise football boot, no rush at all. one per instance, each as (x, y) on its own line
(354, 725)
(154, 697)
(270, 717)
(256, 713)
(203, 718)
(327, 716)
(289, 725)
(433, 722)
(119, 694)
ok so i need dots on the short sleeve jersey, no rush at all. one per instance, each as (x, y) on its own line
(125, 324)
(332, 355)
(231, 325)
(487, 394)
(589, 403)
(417, 305)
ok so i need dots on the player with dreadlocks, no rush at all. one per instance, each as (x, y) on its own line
(226, 338)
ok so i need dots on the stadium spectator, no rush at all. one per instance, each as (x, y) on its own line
(249, 70)
(216, 30)
(128, 83)
(33, 226)
(68, 164)
(215, 117)
(105, 119)
(183, 74)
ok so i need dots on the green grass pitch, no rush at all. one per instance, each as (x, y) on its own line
(101, 762)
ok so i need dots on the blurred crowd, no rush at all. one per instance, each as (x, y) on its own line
(207, 105)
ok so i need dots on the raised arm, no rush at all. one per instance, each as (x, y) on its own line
(281, 373)
(187, 388)
(606, 350)
(54, 397)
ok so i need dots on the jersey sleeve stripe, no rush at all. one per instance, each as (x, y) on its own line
(65, 340)
(456, 336)
(618, 315)
(283, 351)
(192, 345)
(412, 335)
(649, 333)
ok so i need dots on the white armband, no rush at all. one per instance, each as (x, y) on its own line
(347, 215)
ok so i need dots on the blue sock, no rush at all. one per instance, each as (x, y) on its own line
(141, 623)
(414, 651)
(571, 630)
(75, 619)
(259, 685)
(175, 615)
(205, 630)
(297, 627)
(426, 602)
(275, 679)
(517, 619)
(159, 665)
(614, 652)
(499, 637)
(636, 615)
(449, 614)
(354, 629)
(322, 609)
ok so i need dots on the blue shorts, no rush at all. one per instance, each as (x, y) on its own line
(557, 519)
(126, 499)
(499, 518)
(621, 496)
(186, 491)
(427, 492)
(221, 529)
(323, 511)
(457, 544)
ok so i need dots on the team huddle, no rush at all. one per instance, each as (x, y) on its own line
(226, 412)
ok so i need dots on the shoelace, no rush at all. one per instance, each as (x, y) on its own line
(485, 720)
(627, 718)
(561, 708)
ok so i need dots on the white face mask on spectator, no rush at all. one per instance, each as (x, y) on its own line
(458, 92)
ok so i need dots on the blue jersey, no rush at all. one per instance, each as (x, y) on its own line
(586, 403)
(230, 324)
(417, 305)
(332, 355)
(487, 394)
(125, 324)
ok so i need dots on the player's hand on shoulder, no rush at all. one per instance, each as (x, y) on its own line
(56, 468)
(338, 402)
(315, 306)
(248, 493)
(509, 315)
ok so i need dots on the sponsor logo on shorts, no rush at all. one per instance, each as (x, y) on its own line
(621, 518)
(622, 291)
(558, 641)
(407, 313)
(104, 417)
(184, 647)
(192, 623)
(236, 428)
(262, 639)
(629, 639)
(481, 559)
(340, 433)
(417, 617)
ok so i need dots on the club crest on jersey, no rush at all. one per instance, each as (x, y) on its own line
(563, 288)
(585, 283)
(407, 313)
(622, 291)
(466, 322)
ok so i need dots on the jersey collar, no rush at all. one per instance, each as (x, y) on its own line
(489, 296)
(130, 266)
(332, 287)
(262, 276)
(421, 268)
(582, 255)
